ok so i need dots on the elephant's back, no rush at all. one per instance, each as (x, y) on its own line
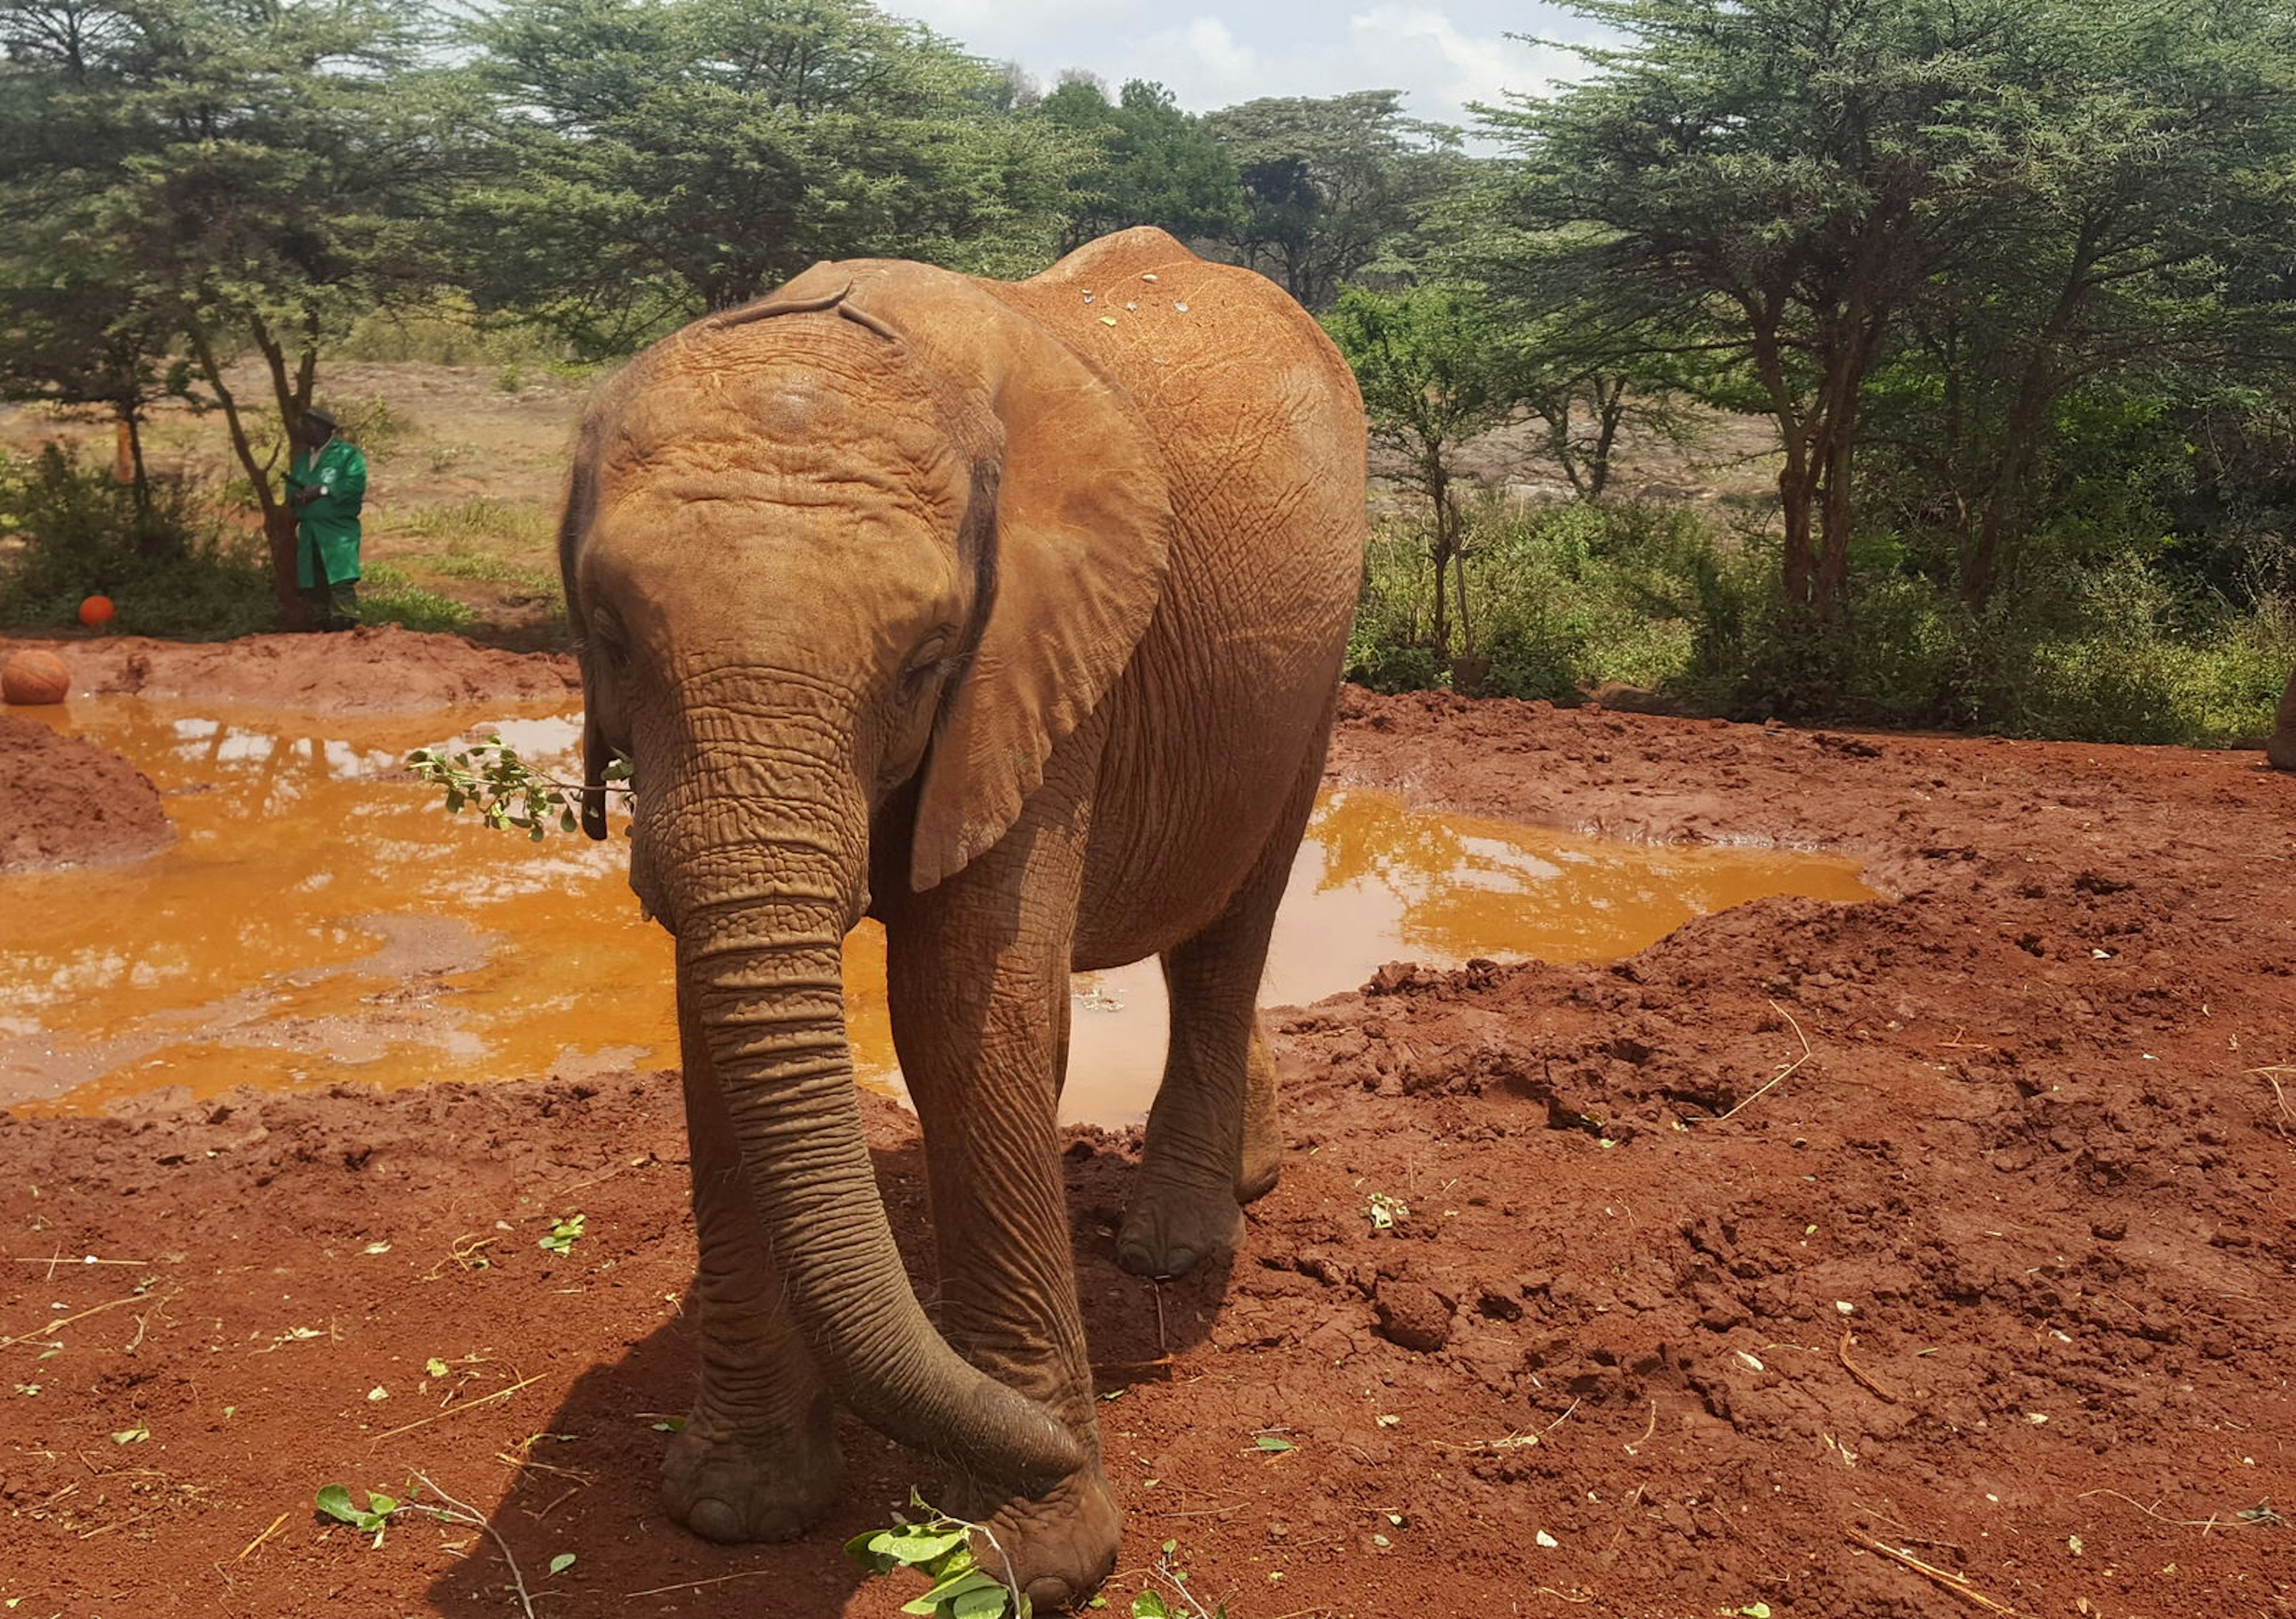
(1225, 705)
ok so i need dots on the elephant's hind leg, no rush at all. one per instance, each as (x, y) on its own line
(1214, 1141)
(757, 1459)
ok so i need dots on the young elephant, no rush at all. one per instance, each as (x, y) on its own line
(1011, 615)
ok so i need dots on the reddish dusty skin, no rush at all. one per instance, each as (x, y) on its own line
(2036, 1144)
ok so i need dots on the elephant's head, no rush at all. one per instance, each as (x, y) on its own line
(843, 565)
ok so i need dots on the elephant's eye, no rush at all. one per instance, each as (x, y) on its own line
(606, 635)
(923, 665)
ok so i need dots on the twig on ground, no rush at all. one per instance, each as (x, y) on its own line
(1841, 1351)
(662, 1591)
(1957, 1043)
(1778, 1080)
(260, 1539)
(1512, 1442)
(2271, 1076)
(467, 1514)
(2207, 1525)
(1939, 1577)
(467, 1405)
(1559, 1421)
(1635, 1449)
(40, 1335)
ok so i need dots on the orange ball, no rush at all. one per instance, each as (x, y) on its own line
(95, 611)
(31, 678)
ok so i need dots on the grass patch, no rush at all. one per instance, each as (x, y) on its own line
(388, 597)
(479, 518)
(491, 570)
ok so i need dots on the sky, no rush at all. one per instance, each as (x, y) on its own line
(1216, 52)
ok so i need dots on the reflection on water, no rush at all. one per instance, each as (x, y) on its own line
(320, 918)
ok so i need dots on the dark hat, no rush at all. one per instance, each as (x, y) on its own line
(321, 414)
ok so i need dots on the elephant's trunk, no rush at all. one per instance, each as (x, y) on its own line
(764, 967)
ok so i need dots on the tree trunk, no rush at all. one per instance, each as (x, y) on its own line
(278, 517)
(1439, 496)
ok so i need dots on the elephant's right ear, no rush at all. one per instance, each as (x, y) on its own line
(1081, 539)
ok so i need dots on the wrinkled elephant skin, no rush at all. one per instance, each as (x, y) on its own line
(1011, 615)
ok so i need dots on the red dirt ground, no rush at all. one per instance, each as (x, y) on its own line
(68, 801)
(1957, 1222)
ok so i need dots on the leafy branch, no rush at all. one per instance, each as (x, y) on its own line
(940, 1548)
(334, 1501)
(1149, 1604)
(505, 790)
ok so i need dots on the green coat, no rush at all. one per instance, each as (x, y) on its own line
(330, 525)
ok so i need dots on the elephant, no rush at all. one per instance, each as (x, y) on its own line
(1012, 614)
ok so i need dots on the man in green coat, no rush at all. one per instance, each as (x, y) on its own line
(327, 481)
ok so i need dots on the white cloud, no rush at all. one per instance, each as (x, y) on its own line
(1218, 52)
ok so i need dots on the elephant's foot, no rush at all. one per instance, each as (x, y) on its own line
(1057, 1548)
(730, 1486)
(1171, 1227)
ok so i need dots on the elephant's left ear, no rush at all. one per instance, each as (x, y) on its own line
(1082, 537)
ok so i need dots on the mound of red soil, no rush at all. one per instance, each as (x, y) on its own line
(65, 801)
(376, 670)
(1862, 1263)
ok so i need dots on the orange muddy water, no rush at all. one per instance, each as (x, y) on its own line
(320, 918)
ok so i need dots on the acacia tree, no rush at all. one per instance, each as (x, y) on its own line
(81, 323)
(1775, 181)
(1434, 373)
(658, 157)
(269, 171)
(2144, 259)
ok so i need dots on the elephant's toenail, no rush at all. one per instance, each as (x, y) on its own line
(1180, 1261)
(714, 1520)
(1051, 1594)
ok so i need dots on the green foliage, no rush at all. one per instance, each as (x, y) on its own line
(1156, 164)
(654, 159)
(940, 1548)
(506, 791)
(2018, 195)
(1433, 374)
(1567, 597)
(481, 517)
(565, 1233)
(1149, 1604)
(1331, 185)
(334, 1501)
(170, 566)
(387, 597)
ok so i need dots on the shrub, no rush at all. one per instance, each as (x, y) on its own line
(173, 567)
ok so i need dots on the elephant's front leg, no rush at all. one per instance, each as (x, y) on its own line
(758, 1457)
(978, 975)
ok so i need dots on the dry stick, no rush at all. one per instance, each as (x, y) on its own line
(470, 1515)
(28, 1337)
(659, 1590)
(2205, 1525)
(468, 1405)
(260, 1539)
(1782, 1074)
(1953, 1582)
(1635, 1449)
(1841, 1350)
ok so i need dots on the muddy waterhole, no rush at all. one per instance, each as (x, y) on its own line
(320, 918)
